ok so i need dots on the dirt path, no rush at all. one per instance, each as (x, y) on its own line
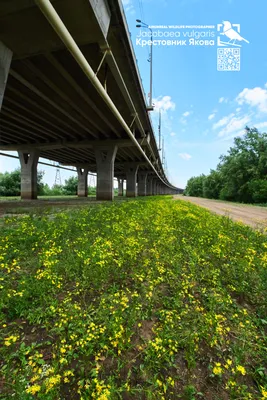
(249, 215)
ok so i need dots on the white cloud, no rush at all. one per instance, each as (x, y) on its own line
(223, 121)
(128, 6)
(234, 125)
(256, 97)
(185, 156)
(238, 109)
(186, 114)
(261, 125)
(172, 133)
(211, 116)
(223, 100)
(164, 103)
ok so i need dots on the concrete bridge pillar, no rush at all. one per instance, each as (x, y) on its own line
(149, 186)
(5, 61)
(105, 157)
(131, 174)
(142, 181)
(120, 187)
(82, 182)
(28, 163)
(155, 187)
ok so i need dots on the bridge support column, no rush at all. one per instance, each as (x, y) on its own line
(28, 162)
(149, 186)
(105, 157)
(155, 187)
(120, 187)
(142, 180)
(131, 173)
(82, 182)
(5, 61)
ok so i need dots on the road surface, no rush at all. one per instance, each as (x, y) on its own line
(254, 216)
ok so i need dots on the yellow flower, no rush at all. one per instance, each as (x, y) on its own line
(228, 363)
(35, 378)
(264, 393)
(68, 373)
(241, 369)
(33, 389)
(217, 370)
(10, 339)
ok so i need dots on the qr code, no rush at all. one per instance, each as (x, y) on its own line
(228, 59)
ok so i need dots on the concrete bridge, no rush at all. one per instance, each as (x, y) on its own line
(70, 91)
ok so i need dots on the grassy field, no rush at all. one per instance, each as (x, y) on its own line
(61, 197)
(148, 299)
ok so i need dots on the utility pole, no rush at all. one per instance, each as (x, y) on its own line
(163, 153)
(159, 131)
(144, 25)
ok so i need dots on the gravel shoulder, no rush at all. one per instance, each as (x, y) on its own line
(253, 216)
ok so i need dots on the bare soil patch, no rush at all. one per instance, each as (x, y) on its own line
(254, 216)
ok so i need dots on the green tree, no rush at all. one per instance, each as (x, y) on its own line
(195, 185)
(71, 186)
(10, 183)
(245, 162)
(57, 190)
(212, 185)
(241, 174)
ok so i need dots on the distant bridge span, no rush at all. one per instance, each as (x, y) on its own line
(70, 91)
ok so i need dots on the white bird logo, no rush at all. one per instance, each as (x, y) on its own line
(231, 33)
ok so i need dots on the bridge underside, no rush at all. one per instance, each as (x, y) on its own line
(51, 109)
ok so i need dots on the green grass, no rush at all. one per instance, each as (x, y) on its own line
(148, 299)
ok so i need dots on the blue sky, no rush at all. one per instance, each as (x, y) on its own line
(202, 108)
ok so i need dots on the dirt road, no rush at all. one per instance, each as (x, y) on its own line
(249, 215)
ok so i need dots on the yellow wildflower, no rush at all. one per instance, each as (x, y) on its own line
(33, 389)
(241, 369)
(217, 370)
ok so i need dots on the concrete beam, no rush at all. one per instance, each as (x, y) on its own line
(28, 162)
(123, 87)
(131, 175)
(5, 61)
(105, 157)
(74, 145)
(82, 182)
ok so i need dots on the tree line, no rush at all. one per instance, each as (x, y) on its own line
(241, 174)
(10, 185)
